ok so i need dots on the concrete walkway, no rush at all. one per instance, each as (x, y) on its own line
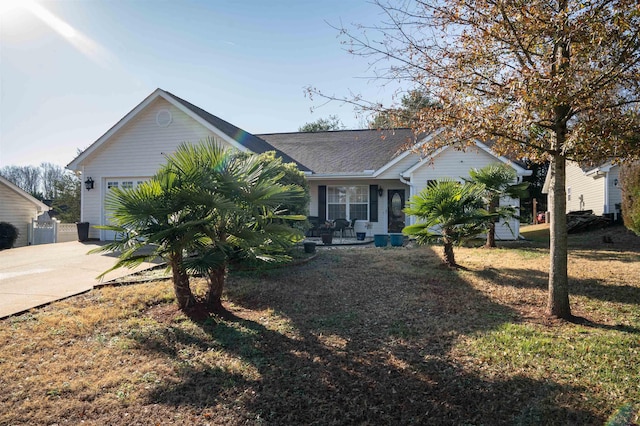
(36, 275)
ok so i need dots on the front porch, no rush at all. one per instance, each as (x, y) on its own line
(339, 241)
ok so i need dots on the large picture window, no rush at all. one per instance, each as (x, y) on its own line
(348, 202)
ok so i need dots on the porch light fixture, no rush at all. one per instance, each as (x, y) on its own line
(380, 191)
(615, 182)
(88, 183)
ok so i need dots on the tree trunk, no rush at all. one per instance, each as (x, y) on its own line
(181, 287)
(558, 301)
(449, 258)
(216, 278)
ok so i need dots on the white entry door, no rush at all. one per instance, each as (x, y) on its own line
(109, 184)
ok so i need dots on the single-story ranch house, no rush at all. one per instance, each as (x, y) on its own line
(353, 174)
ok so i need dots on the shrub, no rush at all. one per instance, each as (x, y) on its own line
(630, 182)
(8, 235)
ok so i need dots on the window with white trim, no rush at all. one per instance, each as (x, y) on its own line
(348, 202)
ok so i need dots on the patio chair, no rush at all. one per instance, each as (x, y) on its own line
(340, 226)
(350, 228)
(314, 231)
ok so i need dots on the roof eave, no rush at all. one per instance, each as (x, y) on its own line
(339, 176)
(42, 207)
(521, 171)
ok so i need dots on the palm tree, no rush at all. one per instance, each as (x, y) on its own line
(449, 211)
(497, 182)
(151, 221)
(205, 206)
(240, 198)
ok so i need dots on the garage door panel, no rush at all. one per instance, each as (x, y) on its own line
(110, 184)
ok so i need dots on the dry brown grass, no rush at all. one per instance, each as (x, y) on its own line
(356, 336)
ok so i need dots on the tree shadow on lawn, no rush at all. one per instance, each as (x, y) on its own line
(369, 343)
(590, 288)
(611, 255)
(535, 279)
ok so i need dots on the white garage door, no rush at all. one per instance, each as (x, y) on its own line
(122, 183)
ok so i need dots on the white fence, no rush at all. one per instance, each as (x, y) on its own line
(67, 232)
(46, 231)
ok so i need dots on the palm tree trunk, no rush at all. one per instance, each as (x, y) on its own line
(216, 278)
(449, 258)
(491, 232)
(181, 287)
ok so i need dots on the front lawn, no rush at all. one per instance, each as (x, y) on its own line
(355, 336)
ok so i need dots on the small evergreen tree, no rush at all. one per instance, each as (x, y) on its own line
(630, 182)
(322, 125)
(67, 201)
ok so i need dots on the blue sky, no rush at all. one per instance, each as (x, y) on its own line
(66, 79)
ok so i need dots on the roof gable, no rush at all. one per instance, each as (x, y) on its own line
(236, 137)
(520, 170)
(39, 204)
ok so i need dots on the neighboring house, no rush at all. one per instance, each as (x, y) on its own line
(364, 174)
(592, 188)
(19, 208)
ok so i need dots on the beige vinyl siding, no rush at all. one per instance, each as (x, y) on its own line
(17, 211)
(615, 192)
(453, 164)
(313, 204)
(584, 192)
(136, 151)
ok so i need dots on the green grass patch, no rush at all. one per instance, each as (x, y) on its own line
(575, 357)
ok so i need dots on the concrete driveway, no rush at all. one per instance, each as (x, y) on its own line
(36, 275)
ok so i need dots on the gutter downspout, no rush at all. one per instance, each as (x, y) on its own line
(82, 195)
(605, 208)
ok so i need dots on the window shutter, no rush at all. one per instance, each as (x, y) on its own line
(322, 203)
(373, 203)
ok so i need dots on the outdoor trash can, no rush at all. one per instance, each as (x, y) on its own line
(83, 231)
(397, 240)
(381, 240)
(309, 247)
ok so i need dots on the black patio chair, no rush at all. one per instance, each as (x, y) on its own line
(340, 226)
(350, 228)
(314, 231)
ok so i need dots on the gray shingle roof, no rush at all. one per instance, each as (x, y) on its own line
(246, 139)
(345, 152)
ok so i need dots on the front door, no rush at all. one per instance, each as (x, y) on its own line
(395, 205)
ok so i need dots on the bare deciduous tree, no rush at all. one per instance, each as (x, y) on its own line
(51, 175)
